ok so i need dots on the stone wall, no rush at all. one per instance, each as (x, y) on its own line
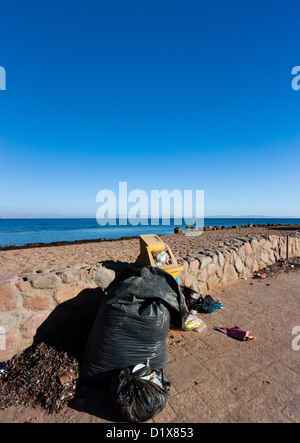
(27, 300)
(238, 258)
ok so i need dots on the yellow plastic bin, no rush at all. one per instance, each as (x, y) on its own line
(149, 246)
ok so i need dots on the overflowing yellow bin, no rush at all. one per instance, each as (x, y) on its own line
(150, 245)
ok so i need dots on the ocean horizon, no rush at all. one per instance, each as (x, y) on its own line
(23, 231)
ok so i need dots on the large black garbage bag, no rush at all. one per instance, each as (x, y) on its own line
(132, 324)
(137, 398)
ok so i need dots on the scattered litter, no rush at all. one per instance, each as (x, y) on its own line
(139, 393)
(193, 323)
(258, 275)
(293, 265)
(196, 303)
(237, 333)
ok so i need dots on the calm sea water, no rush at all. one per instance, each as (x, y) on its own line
(24, 231)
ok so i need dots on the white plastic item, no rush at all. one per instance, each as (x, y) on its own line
(138, 367)
(194, 323)
(162, 258)
(152, 377)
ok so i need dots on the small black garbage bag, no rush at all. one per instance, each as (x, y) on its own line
(141, 395)
(132, 324)
(194, 299)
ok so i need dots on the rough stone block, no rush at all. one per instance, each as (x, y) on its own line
(229, 273)
(204, 261)
(264, 256)
(267, 246)
(255, 267)
(233, 257)
(272, 257)
(189, 280)
(37, 302)
(29, 328)
(221, 259)
(249, 262)
(241, 253)
(254, 243)
(70, 275)
(247, 248)
(202, 275)
(13, 319)
(212, 281)
(8, 278)
(24, 286)
(44, 281)
(211, 269)
(8, 297)
(194, 266)
(10, 345)
(185, 265)
(181, 277)
(67, 292)
(219, 272)
(104, 277)
(238, 265)
(202, 286)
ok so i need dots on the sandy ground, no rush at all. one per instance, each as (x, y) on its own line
(32, 259)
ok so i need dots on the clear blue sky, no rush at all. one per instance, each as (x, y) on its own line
(163, 94)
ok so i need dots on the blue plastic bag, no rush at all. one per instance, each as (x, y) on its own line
(209, 305)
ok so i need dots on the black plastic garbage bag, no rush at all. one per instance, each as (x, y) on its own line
(195, 301)
(137, 398)
(132, 324)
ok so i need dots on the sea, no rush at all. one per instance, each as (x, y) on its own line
(28, 231)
